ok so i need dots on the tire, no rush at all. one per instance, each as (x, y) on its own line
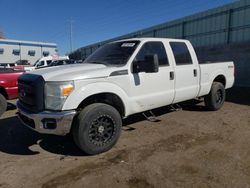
(3, 104)
(216, 97)
(97, 128)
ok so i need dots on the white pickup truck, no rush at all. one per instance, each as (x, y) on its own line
(119, 79)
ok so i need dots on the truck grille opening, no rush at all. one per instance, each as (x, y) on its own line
(31, 92)
(27, 121)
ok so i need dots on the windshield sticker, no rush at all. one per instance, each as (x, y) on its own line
(128, 45)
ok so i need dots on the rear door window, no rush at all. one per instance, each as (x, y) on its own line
(181, 53)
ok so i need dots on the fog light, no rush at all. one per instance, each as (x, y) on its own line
(49, 123)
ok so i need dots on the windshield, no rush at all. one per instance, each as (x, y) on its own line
(115, 54)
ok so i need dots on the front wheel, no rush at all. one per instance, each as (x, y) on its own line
(3, 104)
(216, 97)
(97, 128)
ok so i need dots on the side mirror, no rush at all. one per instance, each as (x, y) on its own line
(151, 63)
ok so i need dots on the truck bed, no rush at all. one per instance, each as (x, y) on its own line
(209, 71)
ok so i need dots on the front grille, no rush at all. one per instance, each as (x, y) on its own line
(31, 92)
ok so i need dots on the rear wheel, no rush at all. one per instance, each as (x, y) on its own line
(97, 128)
(3, 104)
(216, 97)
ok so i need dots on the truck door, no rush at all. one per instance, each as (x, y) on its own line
(186, 72)
(151, 90)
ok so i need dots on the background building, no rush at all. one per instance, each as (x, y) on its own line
(14, 50)
(218, 34)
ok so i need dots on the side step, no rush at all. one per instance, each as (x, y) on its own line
(149, 115)
(175, 107)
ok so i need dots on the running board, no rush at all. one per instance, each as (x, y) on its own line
(150, 116)
(175, 107)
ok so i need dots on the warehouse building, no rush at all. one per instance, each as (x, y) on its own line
(13, 50)
(219, 34)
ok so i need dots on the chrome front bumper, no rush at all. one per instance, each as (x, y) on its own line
(47, 122)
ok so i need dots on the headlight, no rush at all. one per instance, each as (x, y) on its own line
(56, 94)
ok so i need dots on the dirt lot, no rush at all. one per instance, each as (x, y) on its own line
(189, 148)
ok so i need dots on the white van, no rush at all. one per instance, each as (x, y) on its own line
(46, 61)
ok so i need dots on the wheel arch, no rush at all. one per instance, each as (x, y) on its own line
(220, 78)
(106, 98)
(107, 93)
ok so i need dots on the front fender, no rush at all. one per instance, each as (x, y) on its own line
(82, 92)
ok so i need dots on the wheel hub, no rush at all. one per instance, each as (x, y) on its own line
(219, 96)
(101, 129)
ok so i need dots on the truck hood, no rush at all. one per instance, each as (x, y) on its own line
(73, 72)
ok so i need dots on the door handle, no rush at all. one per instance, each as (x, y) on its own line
(195, 72)
(171, 75)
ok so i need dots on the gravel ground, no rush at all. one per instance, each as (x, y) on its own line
(189, 148)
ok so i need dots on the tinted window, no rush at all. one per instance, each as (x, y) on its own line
(41, 63)
(116, 53)
(152, 48)
(181, 53)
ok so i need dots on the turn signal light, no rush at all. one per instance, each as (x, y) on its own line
(66, 90)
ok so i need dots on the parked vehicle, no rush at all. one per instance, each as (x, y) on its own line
(62, 62)
(119, 79)
(8, 86)
(22, 62)
(46, 61)
(8, 65)
(14, 66)
(23, 65)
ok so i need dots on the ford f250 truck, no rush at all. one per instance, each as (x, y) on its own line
(8, 86)
(121, 78)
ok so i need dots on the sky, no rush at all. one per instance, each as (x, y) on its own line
(92, 21)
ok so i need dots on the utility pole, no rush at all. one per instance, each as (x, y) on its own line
(1, 34)
(71, 35)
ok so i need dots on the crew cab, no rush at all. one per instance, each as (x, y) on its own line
(119, 79)
(8, 86)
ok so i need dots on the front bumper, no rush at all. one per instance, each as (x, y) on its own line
(47, 122)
